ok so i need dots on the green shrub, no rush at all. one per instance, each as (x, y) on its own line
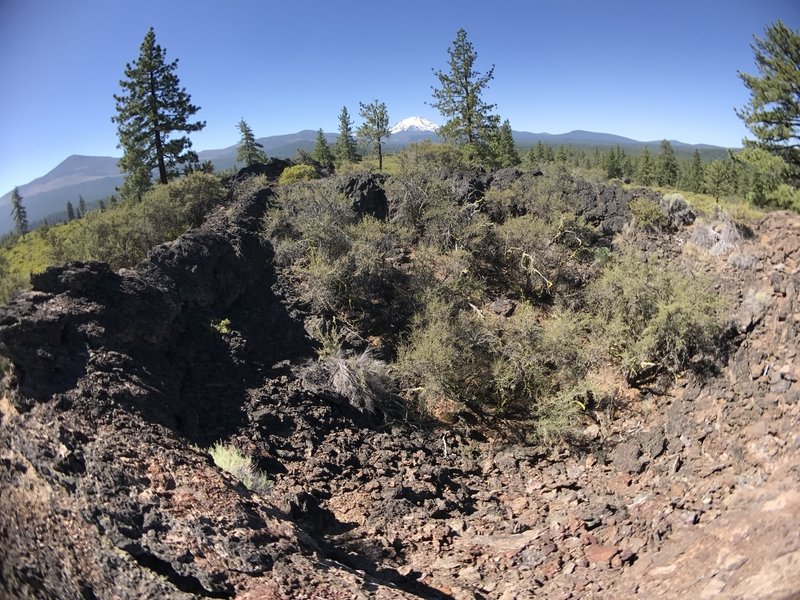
(297, 173)
(648, 214)
(651, 317)
(523, 365)
(229, 458)
(123, 236)
(424, 198)
(306, 217)
(340, 264)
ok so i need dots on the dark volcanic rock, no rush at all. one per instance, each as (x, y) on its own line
(367, 194)
(606, 205)
(144, 337)
(272, 168)
(111, 376)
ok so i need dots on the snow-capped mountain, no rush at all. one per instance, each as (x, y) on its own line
(416, 124)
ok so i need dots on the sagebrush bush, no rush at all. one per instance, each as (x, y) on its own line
(653, 318)
(424, 197)
(246, 187)
(342, 264)
(306, 217)
(516, 365)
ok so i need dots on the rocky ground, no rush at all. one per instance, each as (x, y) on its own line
(117, 380)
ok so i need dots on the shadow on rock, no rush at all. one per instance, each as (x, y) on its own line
(178, 340)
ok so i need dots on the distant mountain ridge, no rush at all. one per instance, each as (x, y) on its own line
(97, 177)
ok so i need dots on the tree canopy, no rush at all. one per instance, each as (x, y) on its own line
(375, 127)
(322, 153)
(150, 110)
(505, 148)
(18, 212)
(345, 149)
(249, 151)
(666, 165)
(773, 113)
(469, 119)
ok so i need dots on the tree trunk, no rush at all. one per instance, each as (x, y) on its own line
(162, 167)
(380, 156)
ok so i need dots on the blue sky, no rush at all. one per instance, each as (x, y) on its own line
(645, 70)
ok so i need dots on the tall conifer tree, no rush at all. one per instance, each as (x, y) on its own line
(18, 212)
(375, 128)
(150, 110)
(250, 151)
(505, 149)
(459, 98)
(322, 151)
(345, 149)
(666, 165)
(646, 171)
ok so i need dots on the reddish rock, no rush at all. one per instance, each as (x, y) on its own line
(597, 553)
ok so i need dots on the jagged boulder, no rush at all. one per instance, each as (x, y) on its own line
(468, 185)
(607, 205)
(272, 168)
(504, 178)
(367, 194)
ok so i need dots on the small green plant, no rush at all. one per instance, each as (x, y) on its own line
(223, 326)
(229, 458)
(297, 173)
(648, 214)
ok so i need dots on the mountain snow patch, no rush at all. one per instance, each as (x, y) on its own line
(415, 124)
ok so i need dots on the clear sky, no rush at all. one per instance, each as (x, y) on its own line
(641, 69)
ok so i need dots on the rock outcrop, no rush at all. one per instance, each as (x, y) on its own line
(113, 378)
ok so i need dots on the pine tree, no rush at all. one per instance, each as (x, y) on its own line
(541, 153)
(321, 153)
(101, 205)
(646, 171)
(18, 212)
(150, 109)
(70, 212)
(773, 113)
(717, 178)
(613, 163)
(505, 150)
(250, 152)
(666, 165)
(694, 173)
(469, 119)
(345, 149)
(375, 127)
(81, 207)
